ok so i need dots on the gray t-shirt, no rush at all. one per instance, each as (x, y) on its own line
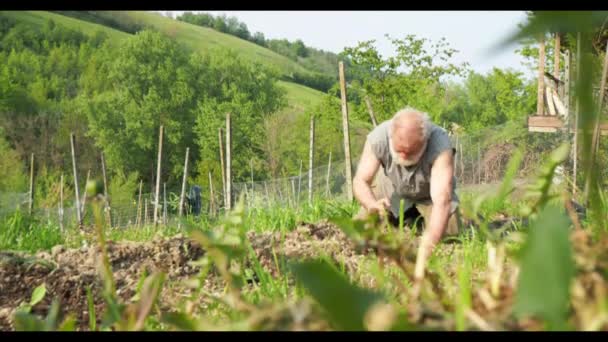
(411, 183)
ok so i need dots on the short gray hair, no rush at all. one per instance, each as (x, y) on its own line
(424, 117)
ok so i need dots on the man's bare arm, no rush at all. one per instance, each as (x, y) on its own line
(441, 195)
(368, 166)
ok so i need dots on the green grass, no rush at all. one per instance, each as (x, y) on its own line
(21, 232)
(40, 18)
(301, 96)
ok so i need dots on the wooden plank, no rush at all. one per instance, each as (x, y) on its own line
(566, 88)
(545, 121)
(556, 58)
(550, 105)
(541, 78)
(542, 129)
(559, 106)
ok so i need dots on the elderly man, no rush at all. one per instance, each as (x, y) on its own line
(417, 162)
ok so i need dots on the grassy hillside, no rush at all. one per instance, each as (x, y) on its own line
(196, 37)
(40, 18)
(202, 39)
(300, 96)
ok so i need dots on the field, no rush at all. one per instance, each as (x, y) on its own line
(314, 268)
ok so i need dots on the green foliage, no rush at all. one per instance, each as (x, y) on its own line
(499, 97)
(413, 77)
(346, 304)
(22, 232)
(250, 94)
(547, 268)
(37, 295)
(323, 63)
(12, 175)
(123, 188)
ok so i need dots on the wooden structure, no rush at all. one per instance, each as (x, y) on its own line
(554, 112)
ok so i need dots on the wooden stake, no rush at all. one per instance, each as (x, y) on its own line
(478, 164)
(31, 204)
(267, 195)
(164, 203)
(461, 159)
(598, 119)
(105, 190)
(577, 111)
(328, 172)
(556, 59)
(348, 166)
(157, 198)
(211, 200)
(566, 93)
(84, 195)
(371, 111)
(293, 191)
(311, 156)
(280, 192)
(145, 211)
(221, 134)
(300, 181)
(138, 220)
(61, 203)
(252, 187)
(183, 194)
(77, 194)
(540, 109)
(228, 163)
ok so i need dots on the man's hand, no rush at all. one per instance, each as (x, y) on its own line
(379, 206)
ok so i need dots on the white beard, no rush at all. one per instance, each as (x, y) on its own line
(405, 162)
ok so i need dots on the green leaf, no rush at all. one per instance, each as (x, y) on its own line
(69, 324)
(91, 304)
(345, 303)
(38, 295)
(179, 320)
(348, 226)
(27, 322)
(547, 268)
(52, 318)
(464, 299)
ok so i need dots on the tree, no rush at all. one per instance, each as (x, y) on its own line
(151, 85)
(411, 78)
(300, 49)
(250, 93)
(12, 176)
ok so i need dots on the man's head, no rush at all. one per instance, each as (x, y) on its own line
(408, 136)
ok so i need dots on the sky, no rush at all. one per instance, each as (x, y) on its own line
(472, 33)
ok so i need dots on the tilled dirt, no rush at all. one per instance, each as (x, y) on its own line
(67, 273)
